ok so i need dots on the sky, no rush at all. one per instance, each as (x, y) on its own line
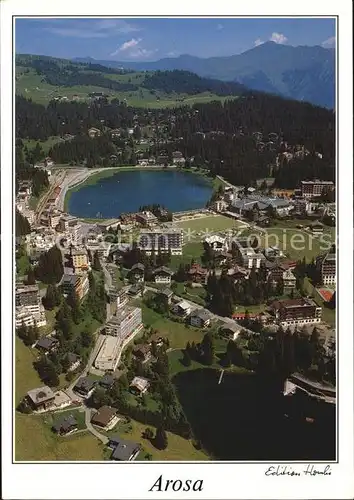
(149, 39)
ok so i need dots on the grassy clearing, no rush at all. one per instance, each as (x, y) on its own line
(178, 449)
(151, 403)
(209, 224)
(50, 317)
(297, 244)
(45, 145)
(190, 251)
(35, 441)
(197, 295)
(30, 85)
(251, 309)
(175, 363)
(26, 377)
(177, 333)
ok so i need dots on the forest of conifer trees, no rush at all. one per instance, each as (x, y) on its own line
(214, 135)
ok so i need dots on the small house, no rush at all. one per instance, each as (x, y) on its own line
(107, 381)
(123, 450)
(163, 274)
(200, 318)
(139, 385)
(41, 398)
(136, 289)
(198, 274)
(85, 386)
(65, 425)
(74, 361)
(93, 132)
(230, 330)
(47, 344)
(289, 281)
(136, 273)
(142, 352)
(178, 158)
(316, 227)
(106, 418)
(146, 218)
(162, 160)
(115, 133)
(157, 339)
(272, 252)
(182, 309)
(167, 295)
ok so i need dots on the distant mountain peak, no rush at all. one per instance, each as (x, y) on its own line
(303, 72)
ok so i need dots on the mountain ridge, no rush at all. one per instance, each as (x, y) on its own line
(302, 73)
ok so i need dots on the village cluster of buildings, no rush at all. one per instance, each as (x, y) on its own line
(298, 202)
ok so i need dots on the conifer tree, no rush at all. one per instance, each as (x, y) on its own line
(96, 265)
(74, 303)
(161, 441)
(31, 278)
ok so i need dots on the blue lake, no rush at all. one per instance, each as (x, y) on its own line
(126, 191)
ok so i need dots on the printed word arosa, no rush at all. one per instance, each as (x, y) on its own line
(177, 485)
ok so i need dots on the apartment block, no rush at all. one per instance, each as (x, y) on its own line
(326, 265)
(315, 188)
(296, 312)
(27, 295)
(27, 316)
(75, 282)
(80, 259)
(163, 240)
(125, 323)
(249, 258)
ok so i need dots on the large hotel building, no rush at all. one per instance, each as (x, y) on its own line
(296, 312)
(163, 240)
(315, 188)
(126, 321)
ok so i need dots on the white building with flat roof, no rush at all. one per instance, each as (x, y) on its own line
(108, 356)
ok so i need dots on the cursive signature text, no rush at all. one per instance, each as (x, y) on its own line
(310, 470)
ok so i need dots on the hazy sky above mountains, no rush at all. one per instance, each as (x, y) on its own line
(142, 39)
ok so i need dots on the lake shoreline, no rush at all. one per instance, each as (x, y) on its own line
(97, 174)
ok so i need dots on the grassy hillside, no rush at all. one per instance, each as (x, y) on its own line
(43, 79)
